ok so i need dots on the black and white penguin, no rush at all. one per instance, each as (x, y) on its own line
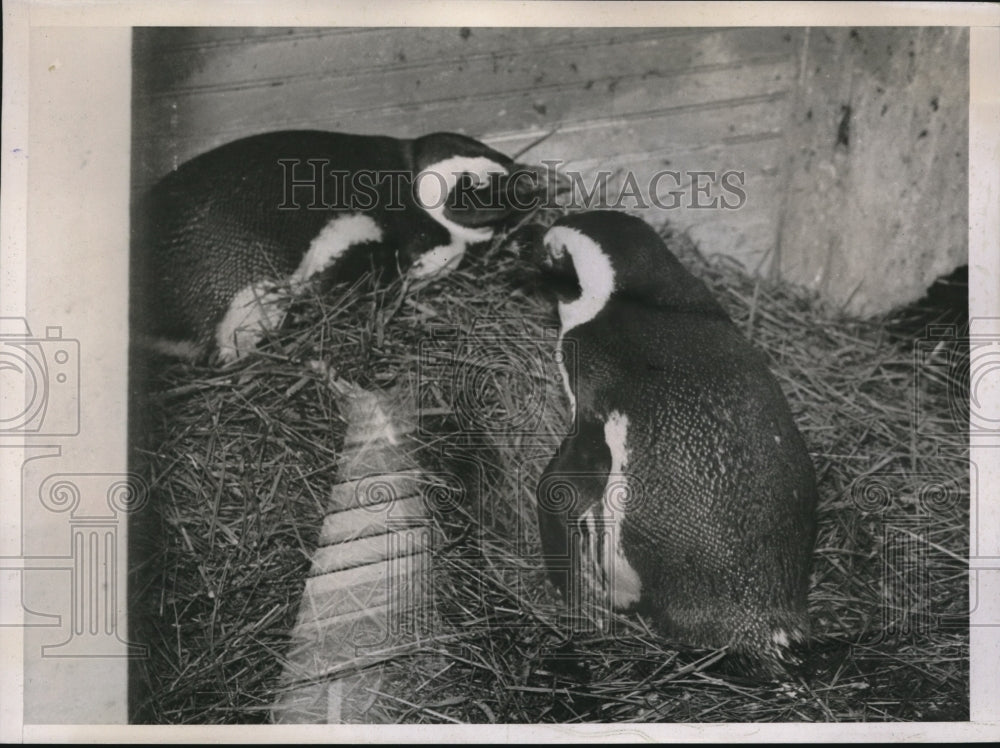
(221, 243)
(684, 489)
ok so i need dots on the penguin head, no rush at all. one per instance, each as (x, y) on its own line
(471, 189)
(589, 258)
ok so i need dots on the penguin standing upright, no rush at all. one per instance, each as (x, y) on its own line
(220, 244)
(684, 489)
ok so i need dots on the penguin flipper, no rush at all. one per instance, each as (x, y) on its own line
(572, 482)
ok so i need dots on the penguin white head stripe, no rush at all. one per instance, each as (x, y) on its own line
(588, 258)
(435, 183)
(592, 268)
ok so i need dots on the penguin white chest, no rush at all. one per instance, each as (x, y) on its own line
(333, 241)
(564, 373)
(260, 306)
(619, 579)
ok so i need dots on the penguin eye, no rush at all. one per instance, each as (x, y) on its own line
(477, 181)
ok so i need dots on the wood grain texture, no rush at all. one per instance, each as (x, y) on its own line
(877, 190)
(767, 102)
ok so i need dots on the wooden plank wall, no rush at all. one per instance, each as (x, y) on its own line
(636, 100)
(878, 182)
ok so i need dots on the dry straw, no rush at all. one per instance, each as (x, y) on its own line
(240, 461)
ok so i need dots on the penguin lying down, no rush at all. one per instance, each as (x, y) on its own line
(222, 243)
(691, 493)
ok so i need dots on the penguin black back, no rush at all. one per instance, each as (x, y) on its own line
(209, 228)
(219, 243)
(700, 502)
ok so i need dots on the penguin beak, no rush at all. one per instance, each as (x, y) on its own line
(527, 242)
(554, 271)
(523, 189)
(528, 184)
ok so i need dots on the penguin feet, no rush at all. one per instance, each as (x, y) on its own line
(253, 312)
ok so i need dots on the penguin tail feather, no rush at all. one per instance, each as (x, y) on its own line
(799, 661)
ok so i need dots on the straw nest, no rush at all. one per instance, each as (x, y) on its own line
(240, 460)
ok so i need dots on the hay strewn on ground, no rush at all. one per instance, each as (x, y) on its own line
(240, 461)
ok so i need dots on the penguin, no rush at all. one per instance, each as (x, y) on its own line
(222, 243)
(684, 490)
